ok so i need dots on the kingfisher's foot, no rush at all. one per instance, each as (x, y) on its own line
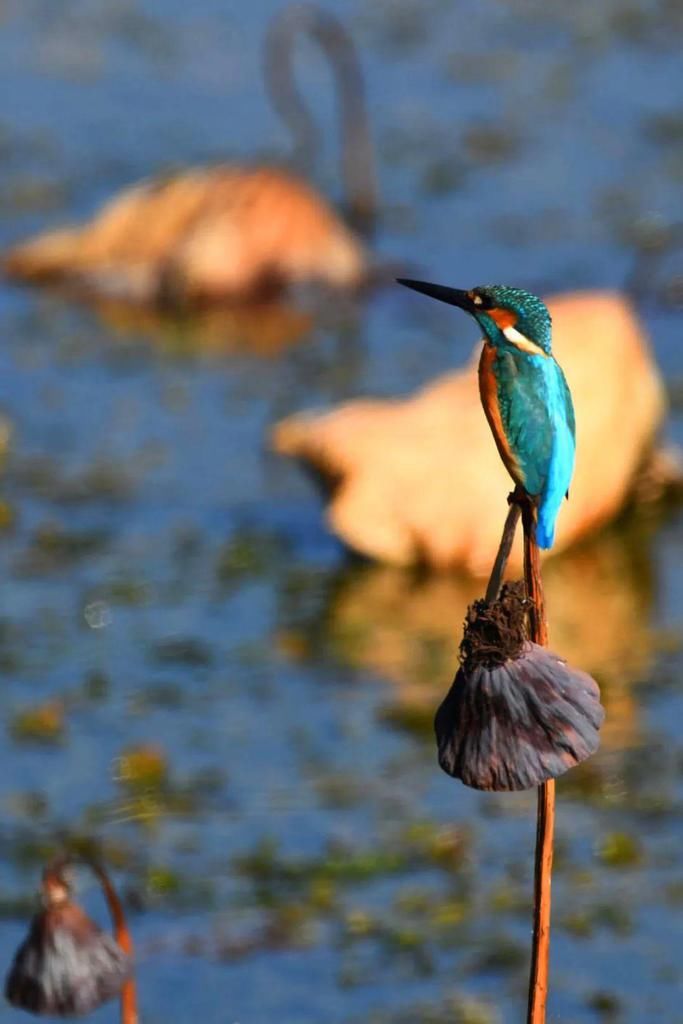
(518, 497)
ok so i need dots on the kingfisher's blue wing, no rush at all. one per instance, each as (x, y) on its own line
(538, 419)
(561, 462)
(526, 416)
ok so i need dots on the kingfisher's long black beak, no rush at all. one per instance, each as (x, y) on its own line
(453, 296)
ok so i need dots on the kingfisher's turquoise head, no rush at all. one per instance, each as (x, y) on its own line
(507, 316)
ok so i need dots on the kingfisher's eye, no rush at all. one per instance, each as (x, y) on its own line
(482, 301)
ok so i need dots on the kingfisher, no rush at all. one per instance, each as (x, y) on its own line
(524, 392)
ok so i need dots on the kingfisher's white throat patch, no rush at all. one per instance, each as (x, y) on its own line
(523, 343)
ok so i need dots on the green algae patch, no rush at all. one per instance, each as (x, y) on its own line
(43, 724)
(143, 767)
(620, 850)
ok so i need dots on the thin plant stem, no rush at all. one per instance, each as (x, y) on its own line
(538, 629)
(504, 549)
(128, 998)
(545, 815)
(543, 867)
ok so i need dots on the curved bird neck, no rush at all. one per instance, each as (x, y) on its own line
(357, 150)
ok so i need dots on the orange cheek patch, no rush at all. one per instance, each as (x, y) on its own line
(503, 317)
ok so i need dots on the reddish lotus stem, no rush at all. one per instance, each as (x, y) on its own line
(128, 999)
(540, 948)
(538, 627)
(545, 814)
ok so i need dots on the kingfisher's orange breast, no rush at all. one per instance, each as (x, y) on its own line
(488, 390)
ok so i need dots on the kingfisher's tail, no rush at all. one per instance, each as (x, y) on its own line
(545, 529)
(544, 524)
(548, 511)
(558, 480)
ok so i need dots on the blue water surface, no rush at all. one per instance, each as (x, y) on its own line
(171, 592)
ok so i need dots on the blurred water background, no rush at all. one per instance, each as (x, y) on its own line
(194, 671)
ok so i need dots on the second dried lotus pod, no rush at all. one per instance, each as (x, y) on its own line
(516, 715)
(66, 966)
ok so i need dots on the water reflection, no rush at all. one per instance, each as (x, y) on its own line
(260, 329)
(407, 627)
